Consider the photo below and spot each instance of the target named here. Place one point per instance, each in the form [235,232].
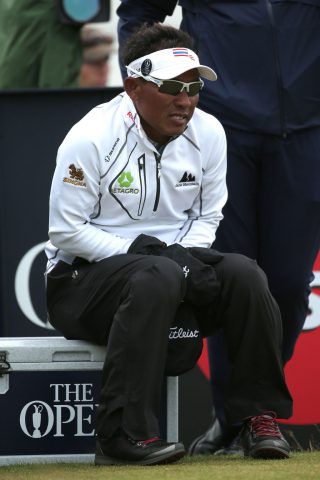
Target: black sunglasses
[173,87]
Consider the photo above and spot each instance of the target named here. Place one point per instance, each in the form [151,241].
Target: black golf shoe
[261,438]
[123,450]
[217,441]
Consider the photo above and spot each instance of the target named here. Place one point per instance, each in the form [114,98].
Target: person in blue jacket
[266,54]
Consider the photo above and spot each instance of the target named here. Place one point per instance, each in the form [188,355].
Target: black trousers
[129,302]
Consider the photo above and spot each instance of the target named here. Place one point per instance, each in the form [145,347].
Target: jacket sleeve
[74,203]
[133,13]
[206,212]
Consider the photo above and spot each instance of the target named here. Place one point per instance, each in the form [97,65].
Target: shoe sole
[269,454]
[157,459]
[225,451]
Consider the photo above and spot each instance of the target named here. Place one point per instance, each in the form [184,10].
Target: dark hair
[151,38]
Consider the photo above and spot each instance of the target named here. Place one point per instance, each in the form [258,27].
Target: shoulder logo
[132,118]
[187,180]
[107,158]
[76,176]
[76,173]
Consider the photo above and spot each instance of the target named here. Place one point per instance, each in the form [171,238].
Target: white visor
[169,63]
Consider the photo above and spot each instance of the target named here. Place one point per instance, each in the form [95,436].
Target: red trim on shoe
[149,440]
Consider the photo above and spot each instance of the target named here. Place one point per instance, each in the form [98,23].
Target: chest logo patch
[187,180]
[125,179]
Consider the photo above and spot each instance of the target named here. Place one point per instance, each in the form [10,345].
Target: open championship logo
[72,410]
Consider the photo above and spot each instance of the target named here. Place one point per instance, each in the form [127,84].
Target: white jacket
[111,184]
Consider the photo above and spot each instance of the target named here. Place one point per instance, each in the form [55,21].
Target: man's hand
[147,245]
[201,279]
[202,283]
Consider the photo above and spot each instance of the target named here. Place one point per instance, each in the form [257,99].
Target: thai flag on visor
[181,52]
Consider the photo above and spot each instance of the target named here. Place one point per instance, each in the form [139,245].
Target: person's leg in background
[273,215]
[289,225]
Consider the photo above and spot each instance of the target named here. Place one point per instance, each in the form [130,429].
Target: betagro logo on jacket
[125,180]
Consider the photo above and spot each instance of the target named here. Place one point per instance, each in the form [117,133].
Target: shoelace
[264,425]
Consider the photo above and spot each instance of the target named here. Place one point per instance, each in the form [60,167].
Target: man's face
[162,115]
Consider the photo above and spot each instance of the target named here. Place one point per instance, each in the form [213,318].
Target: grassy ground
[301,466]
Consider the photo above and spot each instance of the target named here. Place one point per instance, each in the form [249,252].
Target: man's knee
[162,278]
[241,270]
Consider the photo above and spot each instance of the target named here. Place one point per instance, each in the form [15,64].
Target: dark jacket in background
[266,54]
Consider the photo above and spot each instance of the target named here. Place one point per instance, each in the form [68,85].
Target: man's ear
[132,86]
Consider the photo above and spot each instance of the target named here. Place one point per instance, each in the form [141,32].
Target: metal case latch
[4,365]
[4,370]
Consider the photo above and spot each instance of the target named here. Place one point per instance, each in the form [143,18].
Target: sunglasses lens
[194,88]
[173,87]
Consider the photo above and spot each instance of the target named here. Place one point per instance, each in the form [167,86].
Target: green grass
[301,466]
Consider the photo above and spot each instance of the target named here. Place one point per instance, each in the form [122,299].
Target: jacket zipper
[278,70]
[158,174]
[142,178]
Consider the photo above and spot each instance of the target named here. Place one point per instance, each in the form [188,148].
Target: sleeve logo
[76,176]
